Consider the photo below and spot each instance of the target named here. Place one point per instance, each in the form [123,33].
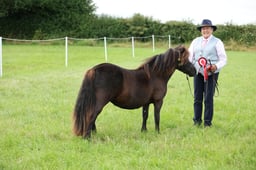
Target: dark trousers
[204,90]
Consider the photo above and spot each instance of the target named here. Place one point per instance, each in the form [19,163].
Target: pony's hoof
[144,130]
[87,137]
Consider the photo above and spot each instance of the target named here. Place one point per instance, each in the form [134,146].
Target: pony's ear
[181,48]
[184,53]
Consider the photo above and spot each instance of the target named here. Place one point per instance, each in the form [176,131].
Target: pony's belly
[131,105]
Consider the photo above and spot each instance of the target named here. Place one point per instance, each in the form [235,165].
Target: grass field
[37,95]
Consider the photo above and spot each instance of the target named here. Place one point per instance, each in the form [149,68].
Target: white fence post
[133,53]
[1,61]
[66,51]
[153,42]
[105,49]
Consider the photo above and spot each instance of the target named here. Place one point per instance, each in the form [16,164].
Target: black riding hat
[207,23]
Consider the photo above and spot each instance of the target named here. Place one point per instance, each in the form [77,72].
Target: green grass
[37,95]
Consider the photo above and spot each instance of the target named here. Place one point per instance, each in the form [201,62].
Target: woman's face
[206,31]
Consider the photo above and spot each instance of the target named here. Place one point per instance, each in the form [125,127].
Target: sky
[238,12]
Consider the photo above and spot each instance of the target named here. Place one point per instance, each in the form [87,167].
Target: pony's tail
[85,105]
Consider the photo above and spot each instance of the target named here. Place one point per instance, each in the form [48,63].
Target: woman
[208,55]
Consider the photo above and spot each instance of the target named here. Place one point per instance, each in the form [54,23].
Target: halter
[179,61]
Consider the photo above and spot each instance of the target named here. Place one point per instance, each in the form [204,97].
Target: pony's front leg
[145,117]
[157,108]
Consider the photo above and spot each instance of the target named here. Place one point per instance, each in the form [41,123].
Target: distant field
[37,95]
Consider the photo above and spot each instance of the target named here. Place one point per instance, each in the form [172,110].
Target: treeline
[45,19]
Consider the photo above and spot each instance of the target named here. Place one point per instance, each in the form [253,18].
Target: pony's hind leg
[92,123]
[94,129]
[87,135]
[91,128]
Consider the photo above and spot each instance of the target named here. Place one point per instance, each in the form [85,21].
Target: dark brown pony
[129,89]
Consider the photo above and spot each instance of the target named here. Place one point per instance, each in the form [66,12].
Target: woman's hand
[212,68]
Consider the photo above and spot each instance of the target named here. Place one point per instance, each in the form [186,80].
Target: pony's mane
[161,63]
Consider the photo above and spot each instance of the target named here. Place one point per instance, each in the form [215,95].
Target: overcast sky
[219,11]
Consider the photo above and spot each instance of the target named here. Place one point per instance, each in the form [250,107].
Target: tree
[138,25]
[44,18]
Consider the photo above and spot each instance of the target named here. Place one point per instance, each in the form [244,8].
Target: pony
[127,88]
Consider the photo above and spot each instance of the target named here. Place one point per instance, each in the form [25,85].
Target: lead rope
[189,86]
[216,87]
